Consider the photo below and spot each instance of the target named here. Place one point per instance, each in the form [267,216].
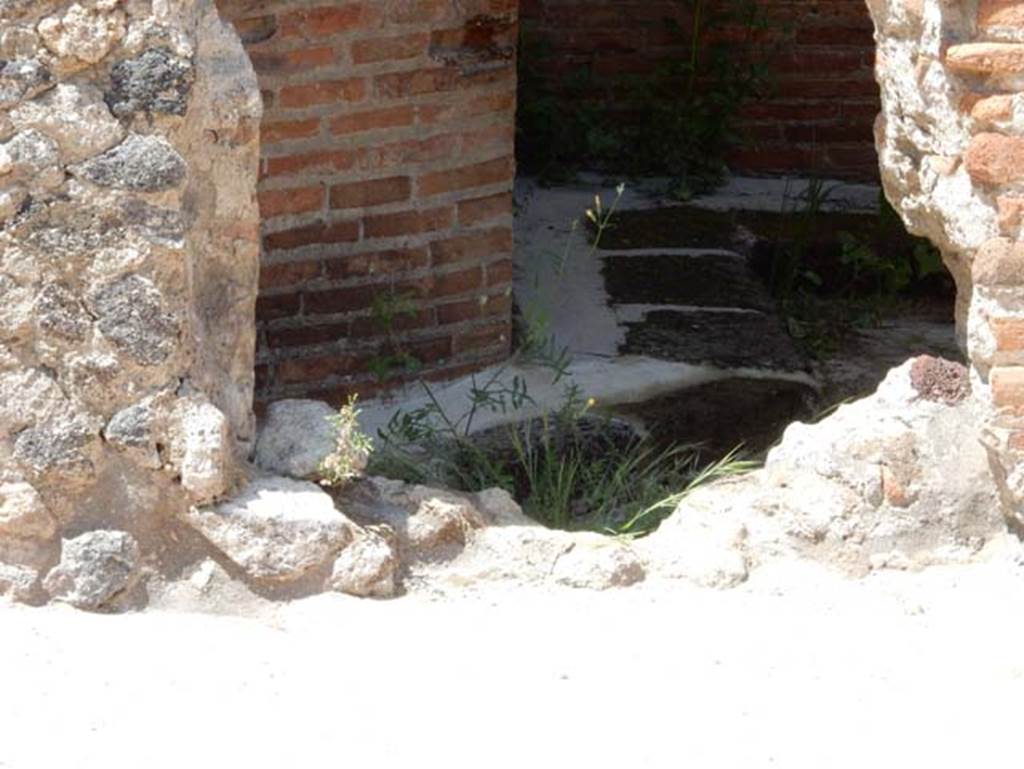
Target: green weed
[352,447]
[648,518]
[393,360]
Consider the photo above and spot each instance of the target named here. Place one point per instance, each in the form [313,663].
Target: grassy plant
[569,485]
[566,479]
[550,476]
[649,517]
[352,447]
[790,271]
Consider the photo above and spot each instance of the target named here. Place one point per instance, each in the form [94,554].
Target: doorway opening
[751,274]
[747,275]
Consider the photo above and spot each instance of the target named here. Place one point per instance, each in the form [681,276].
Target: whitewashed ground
[796,669]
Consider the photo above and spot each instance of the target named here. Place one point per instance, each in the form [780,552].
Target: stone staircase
[670,304]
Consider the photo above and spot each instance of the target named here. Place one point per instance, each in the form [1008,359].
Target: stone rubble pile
[897,480]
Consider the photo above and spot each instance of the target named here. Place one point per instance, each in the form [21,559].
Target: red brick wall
[823,100]
[387,170]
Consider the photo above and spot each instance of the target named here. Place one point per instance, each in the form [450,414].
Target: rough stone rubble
[897,480]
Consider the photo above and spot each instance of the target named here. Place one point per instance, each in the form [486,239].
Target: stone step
[705,280]
[727,340]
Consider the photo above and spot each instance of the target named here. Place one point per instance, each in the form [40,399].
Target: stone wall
[951,143]
[128,272]
[386,174]
[816,117]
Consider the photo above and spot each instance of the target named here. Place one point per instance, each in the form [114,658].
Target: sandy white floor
[796,669]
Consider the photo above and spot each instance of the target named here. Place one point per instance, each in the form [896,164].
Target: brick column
[386,179]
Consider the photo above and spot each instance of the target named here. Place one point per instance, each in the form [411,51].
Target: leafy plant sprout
[352,447]
[867,271]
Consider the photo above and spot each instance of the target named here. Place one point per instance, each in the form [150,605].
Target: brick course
[387,170]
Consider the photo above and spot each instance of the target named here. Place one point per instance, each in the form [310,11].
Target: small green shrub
[691,106]
[678,122]
[830,282]
[569,480]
